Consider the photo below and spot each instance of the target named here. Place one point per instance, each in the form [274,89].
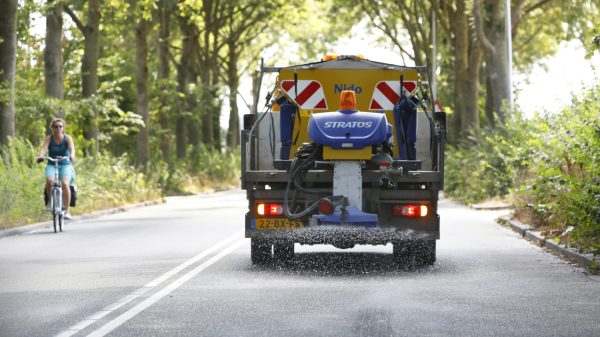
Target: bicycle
[58,215]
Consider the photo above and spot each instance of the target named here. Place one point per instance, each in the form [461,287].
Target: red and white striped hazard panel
[310,94]
[387,93]
[438,106]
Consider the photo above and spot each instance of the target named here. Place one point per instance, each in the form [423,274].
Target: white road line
[152,284]
[129,314]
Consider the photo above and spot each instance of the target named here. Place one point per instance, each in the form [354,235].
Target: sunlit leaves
[550,164]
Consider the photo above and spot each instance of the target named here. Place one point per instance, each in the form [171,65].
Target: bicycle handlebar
[57,159]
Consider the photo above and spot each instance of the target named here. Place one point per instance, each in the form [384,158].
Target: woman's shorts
[64,171]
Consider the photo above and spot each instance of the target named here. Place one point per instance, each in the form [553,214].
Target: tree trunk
[163,75]
[212,14]
[496,65]
[193,121]
[205,71]
[53,52]
[141,42]
[180,134]
[8,57]
[466,64]
[216,106]
[206,111]
[89,69]
[255,98]
[489,108]
[233,131]
[470,119]
[184,73]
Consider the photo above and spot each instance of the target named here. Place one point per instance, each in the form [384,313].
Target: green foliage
[34,111]
[106,181]
[102,182]
[310,27]
[18,189]
[593,46]
[214,165]
[562,181]
[540,34]
[205,168]
[485,169]
[549,165]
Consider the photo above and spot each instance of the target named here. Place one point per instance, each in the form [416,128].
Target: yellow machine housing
[361,76]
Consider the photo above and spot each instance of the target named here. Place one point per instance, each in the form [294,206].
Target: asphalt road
[183,269]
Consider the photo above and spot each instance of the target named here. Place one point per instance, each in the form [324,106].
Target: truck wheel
[260,251]
[425,252]
[404,253]
[283,251]
[414,253]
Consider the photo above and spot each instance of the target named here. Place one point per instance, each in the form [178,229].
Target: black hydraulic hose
[299,187]
[301,166]
[300,173]
[286,209]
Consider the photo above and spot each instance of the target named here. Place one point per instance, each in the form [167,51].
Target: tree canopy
[151,77]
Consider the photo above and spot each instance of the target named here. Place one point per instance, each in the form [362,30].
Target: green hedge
[105,181]
[549,165]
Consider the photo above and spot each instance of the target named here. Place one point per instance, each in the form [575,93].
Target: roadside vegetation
[105,181]
[547,166]
[145,88]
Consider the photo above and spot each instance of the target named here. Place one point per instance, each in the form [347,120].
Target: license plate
[280,223]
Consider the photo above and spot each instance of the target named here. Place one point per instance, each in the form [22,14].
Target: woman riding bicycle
[59,144]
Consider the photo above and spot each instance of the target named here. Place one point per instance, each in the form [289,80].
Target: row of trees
[175,62]
[172,62]
[472,48]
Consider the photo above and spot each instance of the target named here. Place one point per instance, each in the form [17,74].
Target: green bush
[549,165]
[106,181]
[22,184]
[102,182]
[208,168]
[561,187]
[485,169]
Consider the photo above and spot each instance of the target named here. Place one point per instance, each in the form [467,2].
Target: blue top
[61,149]
[349,129]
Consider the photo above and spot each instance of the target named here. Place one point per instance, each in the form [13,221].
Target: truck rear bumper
[344,235]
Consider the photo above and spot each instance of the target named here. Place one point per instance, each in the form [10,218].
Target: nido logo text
[337,88]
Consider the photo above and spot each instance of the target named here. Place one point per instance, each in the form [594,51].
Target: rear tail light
[269,209]
[411,210]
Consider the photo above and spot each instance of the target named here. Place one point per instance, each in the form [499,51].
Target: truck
[346,151]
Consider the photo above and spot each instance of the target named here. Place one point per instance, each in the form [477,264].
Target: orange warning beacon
[347,100]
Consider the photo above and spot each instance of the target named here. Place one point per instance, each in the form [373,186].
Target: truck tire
[425,252]
[414,253]
[260,251]
[283,252]
[404,254]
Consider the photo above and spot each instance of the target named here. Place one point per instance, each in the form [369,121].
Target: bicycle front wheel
[56,220]
[56,209]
